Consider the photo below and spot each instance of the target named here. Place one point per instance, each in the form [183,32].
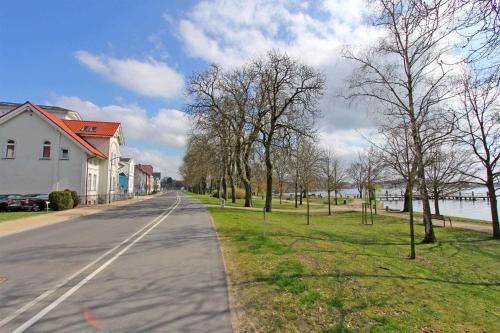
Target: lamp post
[110,177]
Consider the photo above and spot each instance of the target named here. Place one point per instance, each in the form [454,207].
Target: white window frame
[7,144]
[94,183]
[44,144]
[61,154]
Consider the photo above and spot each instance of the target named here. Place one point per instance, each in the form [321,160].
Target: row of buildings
[47,148]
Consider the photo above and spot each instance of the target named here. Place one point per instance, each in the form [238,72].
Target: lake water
[479,209]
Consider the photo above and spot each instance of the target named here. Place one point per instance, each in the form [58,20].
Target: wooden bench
[441,218]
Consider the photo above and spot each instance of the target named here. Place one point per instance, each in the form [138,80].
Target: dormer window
[46,150]
[10,149]
[88,129]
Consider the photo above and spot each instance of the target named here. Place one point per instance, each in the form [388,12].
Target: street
[152,266]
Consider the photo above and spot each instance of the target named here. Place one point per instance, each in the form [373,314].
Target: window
[64,154]
[46,150]
[95,183]
[89,182]
[10,151]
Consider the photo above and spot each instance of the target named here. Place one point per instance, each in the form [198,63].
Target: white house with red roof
[44,149]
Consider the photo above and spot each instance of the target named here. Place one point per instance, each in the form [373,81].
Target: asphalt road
[153,266]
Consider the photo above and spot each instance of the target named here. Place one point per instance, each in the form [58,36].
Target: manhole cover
[3,279]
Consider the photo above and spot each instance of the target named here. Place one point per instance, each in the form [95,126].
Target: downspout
[86,179]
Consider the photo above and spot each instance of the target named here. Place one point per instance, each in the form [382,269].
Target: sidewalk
[27,223]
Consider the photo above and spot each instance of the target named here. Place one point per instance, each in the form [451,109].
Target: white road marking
[49,292]
[71,291]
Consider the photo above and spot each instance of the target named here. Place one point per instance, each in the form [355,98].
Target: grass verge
[8,216]
[337,275]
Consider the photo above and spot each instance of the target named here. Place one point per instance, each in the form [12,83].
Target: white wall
[28,173]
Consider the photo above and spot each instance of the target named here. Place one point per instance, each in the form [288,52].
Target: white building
[126,174]
[49,148]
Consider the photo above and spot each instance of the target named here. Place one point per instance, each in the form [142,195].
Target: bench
[441,218]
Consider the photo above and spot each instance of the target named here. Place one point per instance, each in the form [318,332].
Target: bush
[240,193]
[60,200]
[75,197]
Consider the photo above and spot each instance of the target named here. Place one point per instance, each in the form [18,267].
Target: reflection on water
[469,209]
[479,209]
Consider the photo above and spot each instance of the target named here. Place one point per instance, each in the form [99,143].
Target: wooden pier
[471,196]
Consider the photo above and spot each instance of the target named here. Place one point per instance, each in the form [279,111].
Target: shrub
[60,200]
[75,197]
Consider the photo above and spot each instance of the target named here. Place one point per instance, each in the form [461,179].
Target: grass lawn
[259,202]
[7,216]
[337,275]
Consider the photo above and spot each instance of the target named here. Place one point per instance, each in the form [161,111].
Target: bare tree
[309,168]
[281,162]
[397,154]
[357,173]
[445,170]
[289,94]
[333,174]
[405,73]
[479,130]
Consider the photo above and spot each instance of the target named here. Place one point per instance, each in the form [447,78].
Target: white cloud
[168,165]
[231,32]
[168,126]
[346,143]
[147,77]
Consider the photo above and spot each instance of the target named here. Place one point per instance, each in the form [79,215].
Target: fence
[87,200]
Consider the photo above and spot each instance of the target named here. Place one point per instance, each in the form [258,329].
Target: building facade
[51,148]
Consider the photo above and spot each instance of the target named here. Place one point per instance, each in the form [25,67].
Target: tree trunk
[269,175]
[429,237]
[329,203]
[335,197]
[412,229]
[281,190]
[233,190]
[436,201]
[224,188]
[493,204]
[307,201]
[246,177]
[406,203]
[296,186]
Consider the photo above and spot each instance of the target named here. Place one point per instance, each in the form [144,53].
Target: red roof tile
[62,125]
[147,169]
[92,128]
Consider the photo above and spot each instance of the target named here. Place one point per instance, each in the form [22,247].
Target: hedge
[61,200]
[75,197]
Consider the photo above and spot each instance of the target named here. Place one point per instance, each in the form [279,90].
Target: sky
[129,61]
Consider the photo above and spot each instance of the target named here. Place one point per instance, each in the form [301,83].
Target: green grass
[259,202]
[8,216]
[337,275]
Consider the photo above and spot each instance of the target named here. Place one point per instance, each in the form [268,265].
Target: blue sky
[128,61]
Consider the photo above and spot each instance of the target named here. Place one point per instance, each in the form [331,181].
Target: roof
[45,107]
[92,128]
[60,124]
[157,174]
[147,169]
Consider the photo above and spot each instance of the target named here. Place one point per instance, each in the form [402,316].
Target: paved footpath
[152,266]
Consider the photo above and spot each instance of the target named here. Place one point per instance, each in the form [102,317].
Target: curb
[57,217]
[232,308]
